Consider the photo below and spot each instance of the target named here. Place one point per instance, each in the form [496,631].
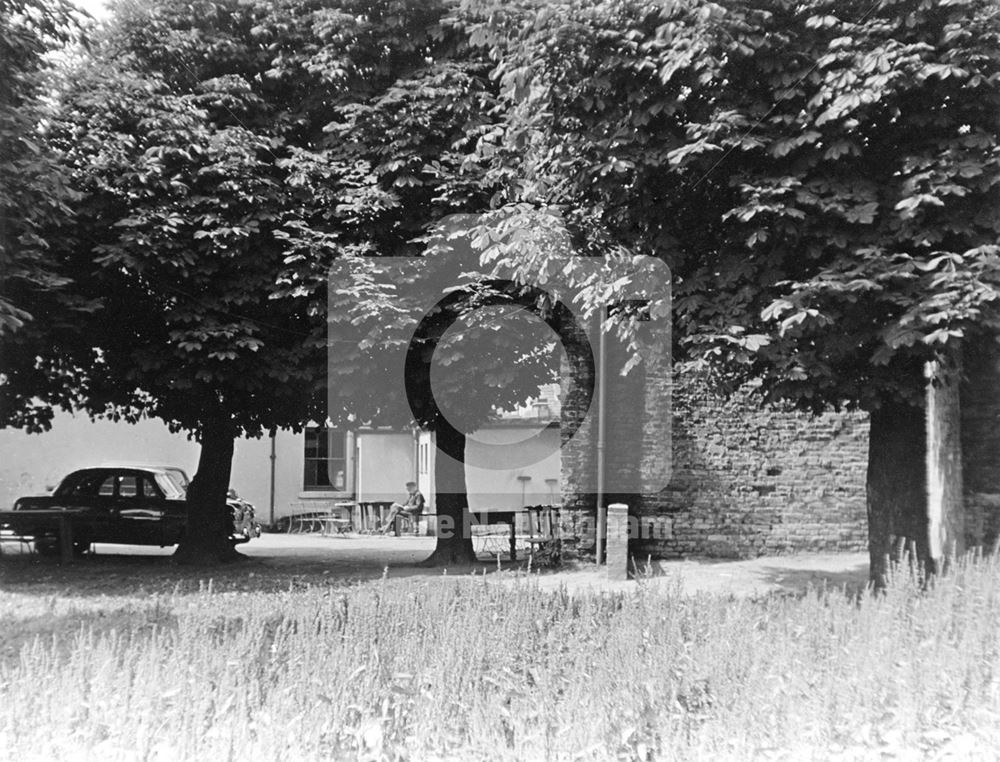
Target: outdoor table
[369,515]
[61,520]
[500,516]
[338,524]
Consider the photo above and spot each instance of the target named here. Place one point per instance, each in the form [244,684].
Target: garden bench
[335,520]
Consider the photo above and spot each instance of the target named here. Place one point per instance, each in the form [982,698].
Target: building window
[326,460]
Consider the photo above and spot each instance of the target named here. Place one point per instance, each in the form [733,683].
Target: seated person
[412,508]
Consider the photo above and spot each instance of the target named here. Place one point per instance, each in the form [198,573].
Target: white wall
[252,470]
[526,456]
[288,472]
[31,463]
[385,463]
[425,476]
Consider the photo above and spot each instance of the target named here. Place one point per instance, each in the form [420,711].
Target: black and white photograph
[499,380]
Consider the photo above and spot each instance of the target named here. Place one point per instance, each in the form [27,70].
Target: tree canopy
[821,178]
[35,194]
[223,154]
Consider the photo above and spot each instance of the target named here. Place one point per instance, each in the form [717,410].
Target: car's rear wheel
[81,548]
[49,546]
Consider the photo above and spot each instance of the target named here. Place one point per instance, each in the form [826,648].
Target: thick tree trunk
[210,525]
[980,433]
[451,502]
[896,485]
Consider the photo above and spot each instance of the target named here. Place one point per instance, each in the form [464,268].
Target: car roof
[148,471]
[131,464]
[127,467]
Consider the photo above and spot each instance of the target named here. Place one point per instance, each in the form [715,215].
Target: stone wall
[749,482]
[742,481]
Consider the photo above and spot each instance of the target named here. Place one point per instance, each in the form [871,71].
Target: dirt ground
[280,562]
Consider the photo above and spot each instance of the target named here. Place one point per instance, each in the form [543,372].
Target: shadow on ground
[791,579]
[793,574]
[271,563]
[277,563]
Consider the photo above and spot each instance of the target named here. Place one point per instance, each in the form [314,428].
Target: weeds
[404,669]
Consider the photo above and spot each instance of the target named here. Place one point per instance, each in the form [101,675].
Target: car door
[174,505]
[141,509]
[97,495]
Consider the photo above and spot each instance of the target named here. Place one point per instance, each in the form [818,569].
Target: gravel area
[279,561]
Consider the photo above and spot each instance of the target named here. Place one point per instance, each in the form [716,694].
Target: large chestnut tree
[820,176]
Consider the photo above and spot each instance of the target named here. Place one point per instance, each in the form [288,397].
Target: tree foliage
[821,178]
[35,196]
[224,153]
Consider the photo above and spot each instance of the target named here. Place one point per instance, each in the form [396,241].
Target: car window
[179,484]
[71,484]
[171,489]
[149,489]
[178,476]
[85,484]
[127,485]
[109,484]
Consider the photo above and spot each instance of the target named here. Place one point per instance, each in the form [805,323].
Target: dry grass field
[285,667]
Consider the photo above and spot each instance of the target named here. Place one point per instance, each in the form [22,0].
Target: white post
[617,542]
[945,509]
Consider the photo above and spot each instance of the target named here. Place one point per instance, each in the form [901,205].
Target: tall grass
[479,670]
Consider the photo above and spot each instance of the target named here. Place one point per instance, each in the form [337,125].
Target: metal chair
[544,536]
[412,521]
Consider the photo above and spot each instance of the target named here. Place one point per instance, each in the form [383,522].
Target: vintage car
[244,515]
[133,505]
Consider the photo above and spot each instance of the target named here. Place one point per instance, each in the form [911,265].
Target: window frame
[335,440]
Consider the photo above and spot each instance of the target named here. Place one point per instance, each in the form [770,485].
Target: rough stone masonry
[715,475]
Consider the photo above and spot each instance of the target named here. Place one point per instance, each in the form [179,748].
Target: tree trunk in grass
[945,504]
[451,502]
[209,524]
[896,488]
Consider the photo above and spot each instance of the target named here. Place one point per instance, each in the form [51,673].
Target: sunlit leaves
[796,173]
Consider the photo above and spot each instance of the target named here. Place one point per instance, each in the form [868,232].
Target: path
[305,559]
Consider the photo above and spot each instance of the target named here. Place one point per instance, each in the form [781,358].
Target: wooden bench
[330,521]
[61,521]
[24,541]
